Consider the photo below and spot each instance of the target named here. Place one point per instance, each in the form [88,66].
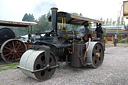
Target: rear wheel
[95,54]
[12,50]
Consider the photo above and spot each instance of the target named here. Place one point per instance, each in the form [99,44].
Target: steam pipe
[54,19]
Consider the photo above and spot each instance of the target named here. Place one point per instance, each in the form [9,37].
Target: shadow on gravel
[78,69]
[108,53]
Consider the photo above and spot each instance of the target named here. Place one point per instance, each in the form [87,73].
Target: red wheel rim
[13,50]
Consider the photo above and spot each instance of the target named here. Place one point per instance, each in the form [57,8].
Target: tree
[104,23]
[28,17]
[114,22]
[25,17]
[107,21]
[127,27]
[110,22]
[31,17]
[43,24]
[101,19]
[80,14]
[118,21]
[119,36]
[122,21]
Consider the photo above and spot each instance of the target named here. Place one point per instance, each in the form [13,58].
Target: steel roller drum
[35,60]
[95,54]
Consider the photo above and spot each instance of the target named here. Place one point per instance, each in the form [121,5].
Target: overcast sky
[15,9]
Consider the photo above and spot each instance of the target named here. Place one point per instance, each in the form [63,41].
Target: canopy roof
[74,19]
[16,24]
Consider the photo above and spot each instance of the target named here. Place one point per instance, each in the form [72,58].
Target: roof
[120,27]
[114,27]
[16,24]
[74,19]
[121,32]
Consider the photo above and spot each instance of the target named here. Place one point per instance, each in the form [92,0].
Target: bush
[123,41]
[119,36]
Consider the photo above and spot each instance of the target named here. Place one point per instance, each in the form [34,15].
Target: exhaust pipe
[54,19]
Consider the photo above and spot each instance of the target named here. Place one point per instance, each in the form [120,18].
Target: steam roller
[38,65]
[58,48]
[11,49]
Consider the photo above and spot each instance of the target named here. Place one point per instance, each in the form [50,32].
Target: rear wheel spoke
[6,51]
[8,54]
[13,57]
[8,48]
[18,46]
[18,55]
[12,50]
[20,51]
[13,45]
[9,45]
[9,57]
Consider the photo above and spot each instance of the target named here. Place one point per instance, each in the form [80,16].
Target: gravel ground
[114,71]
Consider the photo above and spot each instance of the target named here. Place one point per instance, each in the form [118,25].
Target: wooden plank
[16,24]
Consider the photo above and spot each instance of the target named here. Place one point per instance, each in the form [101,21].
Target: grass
[8,66]
[123,41]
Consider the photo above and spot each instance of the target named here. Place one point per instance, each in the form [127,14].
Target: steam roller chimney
[54,19]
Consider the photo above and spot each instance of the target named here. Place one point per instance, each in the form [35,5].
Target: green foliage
[122,21]
[43,24]
[127,27]
[113,23]
[28,17]
[107,21]
[110,22]
[118,21]
[101,19]
[80,14]
[8,66]
[104,33]
[123,41]
[119,36]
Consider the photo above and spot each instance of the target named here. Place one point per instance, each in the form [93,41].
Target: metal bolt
[98,54]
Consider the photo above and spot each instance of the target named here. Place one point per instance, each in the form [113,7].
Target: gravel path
[114,71]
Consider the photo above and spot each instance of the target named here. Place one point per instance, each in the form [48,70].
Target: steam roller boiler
[60,47]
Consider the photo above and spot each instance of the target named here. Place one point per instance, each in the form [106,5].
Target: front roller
[95,54]
[33,64]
